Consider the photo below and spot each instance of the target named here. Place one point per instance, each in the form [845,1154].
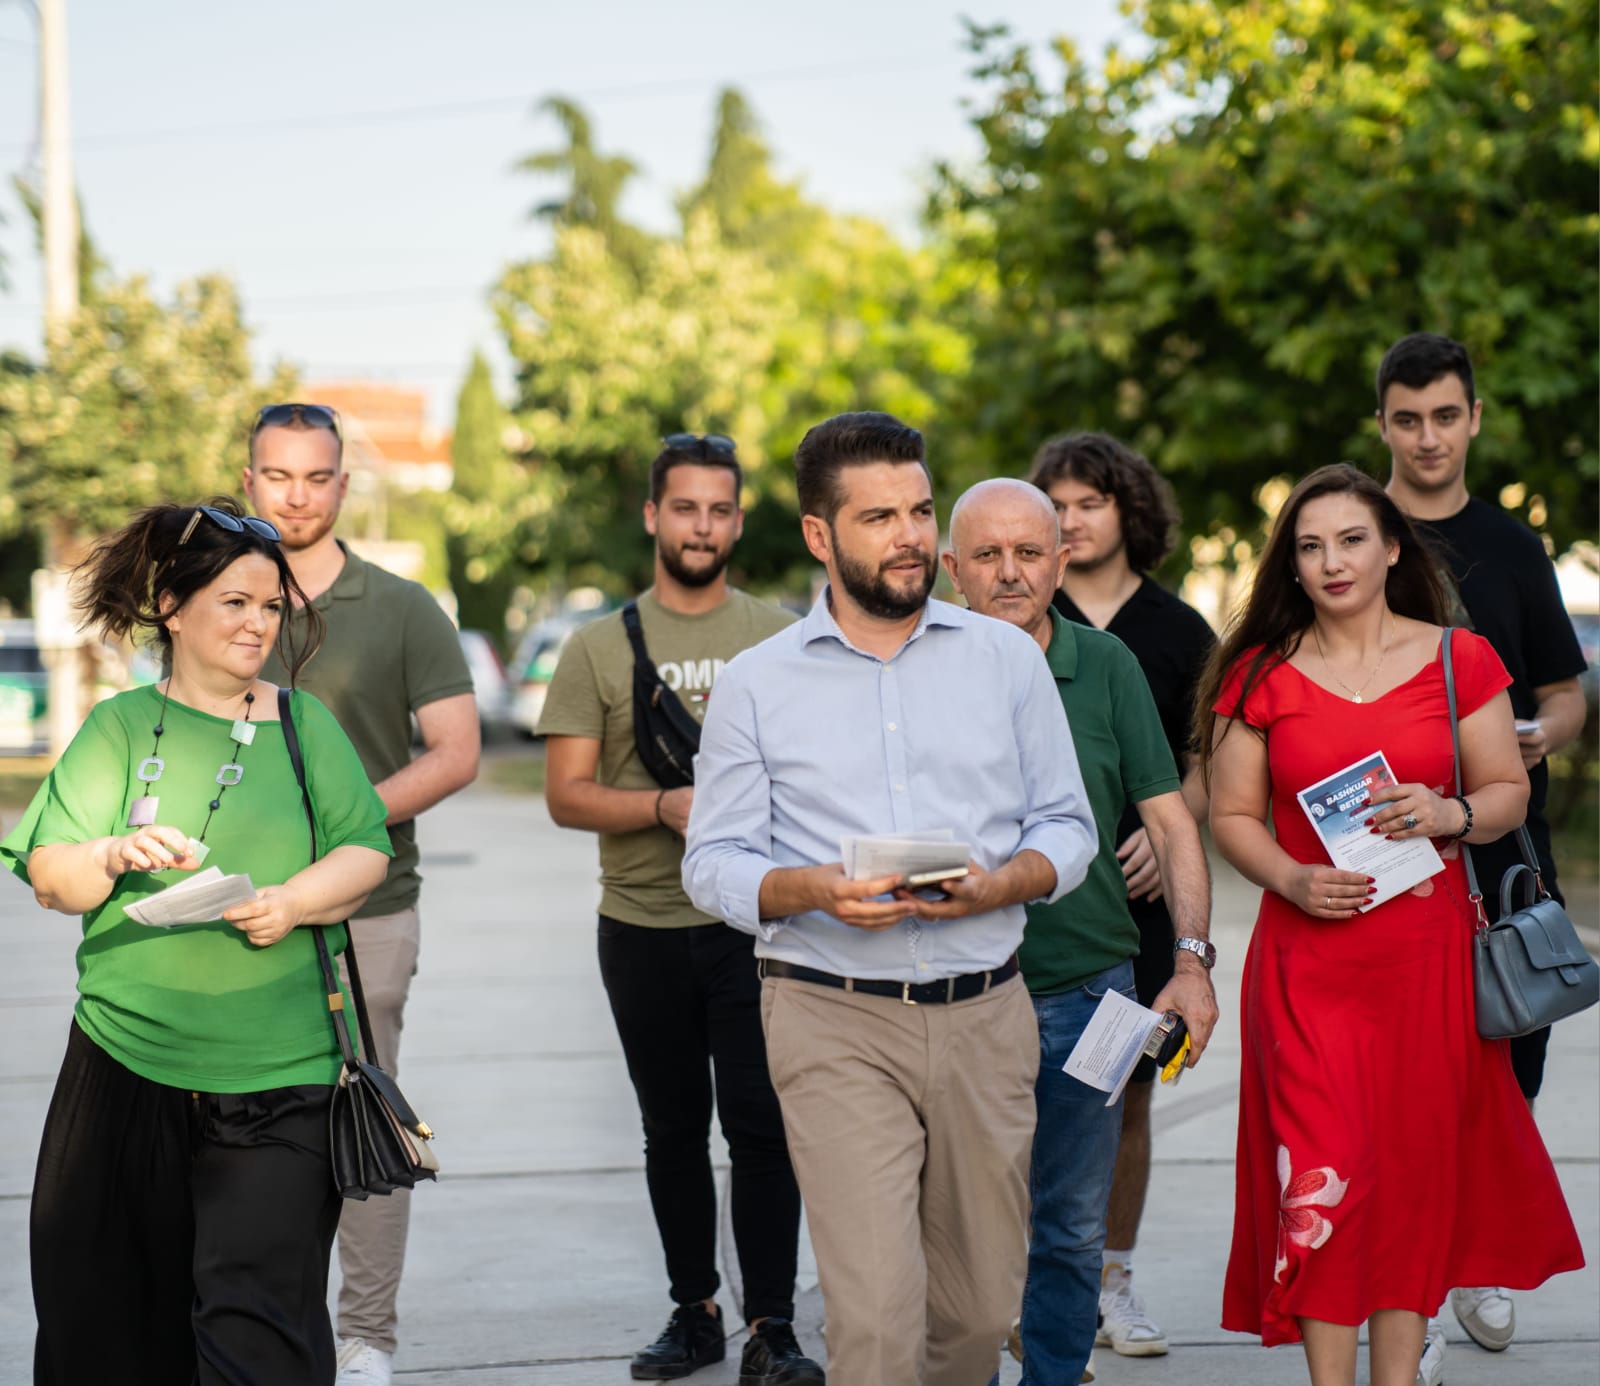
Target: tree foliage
[480,574]
[1206,248]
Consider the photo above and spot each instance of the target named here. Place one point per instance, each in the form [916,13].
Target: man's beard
[685,576]
[297,539]
[870,590]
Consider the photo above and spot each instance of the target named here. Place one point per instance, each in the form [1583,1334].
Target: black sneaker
[772,1357]
[692,1339]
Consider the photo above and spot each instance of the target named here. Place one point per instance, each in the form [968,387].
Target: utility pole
[58,634]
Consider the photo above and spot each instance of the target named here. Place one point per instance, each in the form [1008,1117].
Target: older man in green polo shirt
[390,653]
[1006,559]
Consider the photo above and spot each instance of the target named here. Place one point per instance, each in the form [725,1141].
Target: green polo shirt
[1124,758]
[389,650]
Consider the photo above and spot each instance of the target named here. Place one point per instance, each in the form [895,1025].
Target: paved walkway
[534,1261]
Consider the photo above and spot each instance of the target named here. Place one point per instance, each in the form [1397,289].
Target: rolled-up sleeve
[729,842]
[1059,824]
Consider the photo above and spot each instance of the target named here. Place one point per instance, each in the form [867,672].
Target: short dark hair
[849,440]
[1420,359]
[298,418]
[134,579]
[1145,501]
[698,455]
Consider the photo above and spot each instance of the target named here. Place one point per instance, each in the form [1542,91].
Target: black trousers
[180,1239]
[687,1003]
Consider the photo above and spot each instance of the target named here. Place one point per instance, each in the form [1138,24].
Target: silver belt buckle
[905,994]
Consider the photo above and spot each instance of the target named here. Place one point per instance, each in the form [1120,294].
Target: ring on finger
[1328,899]
[1409,821]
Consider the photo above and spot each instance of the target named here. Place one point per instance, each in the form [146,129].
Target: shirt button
[891,726]
[899,789]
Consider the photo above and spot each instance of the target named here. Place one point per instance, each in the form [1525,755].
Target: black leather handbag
[377,1142]
[1529,968]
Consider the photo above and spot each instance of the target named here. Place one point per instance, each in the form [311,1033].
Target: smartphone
[1166,1039]
[923,878]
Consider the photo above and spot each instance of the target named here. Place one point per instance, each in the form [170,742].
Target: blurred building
[386,432]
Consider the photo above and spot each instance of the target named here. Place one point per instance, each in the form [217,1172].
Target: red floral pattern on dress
[1300,1198]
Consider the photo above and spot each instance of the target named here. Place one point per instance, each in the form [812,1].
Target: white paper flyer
[1111,1043]
[1338,811]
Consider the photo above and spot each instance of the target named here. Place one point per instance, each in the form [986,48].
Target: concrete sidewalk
[534,1260]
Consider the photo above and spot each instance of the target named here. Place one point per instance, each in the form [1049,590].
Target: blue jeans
[1074,1155]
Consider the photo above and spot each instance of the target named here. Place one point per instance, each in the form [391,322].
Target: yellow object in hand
[1170,1073]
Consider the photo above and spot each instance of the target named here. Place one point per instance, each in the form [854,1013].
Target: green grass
[516,772]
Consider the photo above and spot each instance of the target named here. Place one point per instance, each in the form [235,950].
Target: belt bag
[664,731]
[377,1142]
[1529,969]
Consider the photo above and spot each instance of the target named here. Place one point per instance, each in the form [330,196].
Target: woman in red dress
[1369,1109]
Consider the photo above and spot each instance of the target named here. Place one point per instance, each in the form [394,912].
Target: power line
[491,105]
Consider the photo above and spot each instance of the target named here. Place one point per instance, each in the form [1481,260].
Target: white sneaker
[1088,1371]
[1125,1328]
[361,1364]
[1430,1371]
[1487,1314]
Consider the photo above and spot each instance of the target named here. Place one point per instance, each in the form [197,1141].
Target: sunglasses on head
[317,415]
[234,524]
[716,444]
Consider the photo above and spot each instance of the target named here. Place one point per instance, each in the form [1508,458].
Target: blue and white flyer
[1338,810]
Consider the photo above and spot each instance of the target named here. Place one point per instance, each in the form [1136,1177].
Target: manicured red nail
[1372,880]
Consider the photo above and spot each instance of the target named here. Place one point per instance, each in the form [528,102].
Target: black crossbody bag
[664,731]
[377,1143]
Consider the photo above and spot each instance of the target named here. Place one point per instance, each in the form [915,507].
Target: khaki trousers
[372,1234]
[910,1129]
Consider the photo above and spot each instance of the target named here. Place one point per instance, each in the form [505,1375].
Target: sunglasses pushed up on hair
[317,415]
[714,444]
[234,524]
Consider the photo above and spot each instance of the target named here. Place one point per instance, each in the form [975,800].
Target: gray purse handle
[1524,841]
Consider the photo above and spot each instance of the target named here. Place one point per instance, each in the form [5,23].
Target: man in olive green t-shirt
[682,985]
[389,653]
[1007,559]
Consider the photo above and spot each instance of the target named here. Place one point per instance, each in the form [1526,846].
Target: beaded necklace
[145,807]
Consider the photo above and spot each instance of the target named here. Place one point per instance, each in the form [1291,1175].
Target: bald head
[1006,556]
[982,505]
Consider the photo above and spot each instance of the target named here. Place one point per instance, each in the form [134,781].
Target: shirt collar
[352,580]
[819,623]
[1062,656]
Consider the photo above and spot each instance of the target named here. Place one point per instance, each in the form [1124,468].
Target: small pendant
[198,850]
[1356,699]
[143,812]
[230,774]
[150,769]
[243,732]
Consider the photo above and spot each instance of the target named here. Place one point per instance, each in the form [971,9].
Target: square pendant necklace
[143,812]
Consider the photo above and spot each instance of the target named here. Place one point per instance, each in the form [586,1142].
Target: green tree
[481,575]
[1207,247]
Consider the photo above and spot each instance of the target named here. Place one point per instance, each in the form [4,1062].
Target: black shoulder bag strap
[664,732]
[1524,841]
[330,976]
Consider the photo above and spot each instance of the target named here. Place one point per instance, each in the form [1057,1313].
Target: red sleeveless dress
[1385,1153]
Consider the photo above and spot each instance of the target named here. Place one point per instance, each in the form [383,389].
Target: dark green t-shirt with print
[1124,758]
[198,1006]
[591,695]
[389,650]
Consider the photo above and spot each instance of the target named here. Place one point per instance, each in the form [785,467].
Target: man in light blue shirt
[902,1046]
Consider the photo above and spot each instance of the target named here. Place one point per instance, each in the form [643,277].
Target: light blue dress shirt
[810,739]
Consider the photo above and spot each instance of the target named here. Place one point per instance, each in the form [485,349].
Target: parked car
[490,685]
[534,665]
[24,692]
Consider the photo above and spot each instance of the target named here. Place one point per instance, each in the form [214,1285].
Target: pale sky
[349,163]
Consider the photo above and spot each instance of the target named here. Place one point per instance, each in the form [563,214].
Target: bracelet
[662,822]
[1466,822]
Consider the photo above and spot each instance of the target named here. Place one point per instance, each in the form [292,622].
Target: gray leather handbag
[1529,968]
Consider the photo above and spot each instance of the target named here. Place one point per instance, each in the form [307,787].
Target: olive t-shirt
[199,1006]
[1123,756]
[389,650]
[591,696]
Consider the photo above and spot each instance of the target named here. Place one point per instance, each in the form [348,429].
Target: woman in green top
[183,1209]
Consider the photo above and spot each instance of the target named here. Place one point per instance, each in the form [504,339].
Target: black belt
[911,993]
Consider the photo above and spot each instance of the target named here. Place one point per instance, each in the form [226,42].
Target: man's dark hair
[848,440]
[1420,359]
[1145,501]
[699,453]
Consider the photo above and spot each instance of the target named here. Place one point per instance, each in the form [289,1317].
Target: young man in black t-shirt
[1428,415]
[1119,518]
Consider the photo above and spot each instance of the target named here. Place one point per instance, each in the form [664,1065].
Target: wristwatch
[1206,952]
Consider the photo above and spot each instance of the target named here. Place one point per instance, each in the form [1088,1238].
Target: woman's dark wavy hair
[1277,612]
[1145,502]
[134,579]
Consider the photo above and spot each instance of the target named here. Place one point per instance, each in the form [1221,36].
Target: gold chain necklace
[1355,693]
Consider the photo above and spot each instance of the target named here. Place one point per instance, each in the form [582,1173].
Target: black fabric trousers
[180,1239]
[687,1003]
